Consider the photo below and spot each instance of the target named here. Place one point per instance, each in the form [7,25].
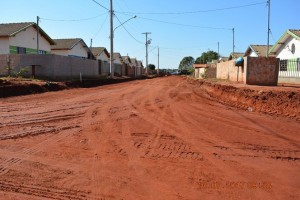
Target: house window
[42,52]
[21,50]
[283,65]
[293,48]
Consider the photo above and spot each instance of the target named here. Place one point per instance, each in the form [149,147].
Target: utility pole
[158,62]
[147,43]
[111,41]
[268,42]
[37,34]
[91,46]
[218,49]
[233,43]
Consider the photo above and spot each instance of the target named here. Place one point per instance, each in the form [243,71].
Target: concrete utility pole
[218,49]
[147,43]
[158,61]
[91,46]
[37,34]
[268,40]
[111,41]
[233,42]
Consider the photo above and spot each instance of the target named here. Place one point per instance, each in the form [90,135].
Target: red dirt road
[152,139]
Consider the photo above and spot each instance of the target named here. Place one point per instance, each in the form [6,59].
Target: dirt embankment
[17,87]
[273,101]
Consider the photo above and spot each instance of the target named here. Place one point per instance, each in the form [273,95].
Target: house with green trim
[287,49]
[21,38]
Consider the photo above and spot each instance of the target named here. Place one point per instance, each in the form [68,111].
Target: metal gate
[289,68]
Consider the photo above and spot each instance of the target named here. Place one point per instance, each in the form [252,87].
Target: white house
[101,53]
[21,38]
[257,50]
[74,47]
[287,48]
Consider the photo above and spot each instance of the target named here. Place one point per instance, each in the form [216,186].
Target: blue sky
[180,28]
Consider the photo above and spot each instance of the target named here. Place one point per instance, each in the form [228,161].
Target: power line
[72,20]
[186,25]
[100,5]
[128,31]
[101,26]
[179,24]
[197,11]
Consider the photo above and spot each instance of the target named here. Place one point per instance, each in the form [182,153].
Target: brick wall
[262,71]
[256,71]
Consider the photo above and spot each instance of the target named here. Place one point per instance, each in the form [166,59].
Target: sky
[178,28]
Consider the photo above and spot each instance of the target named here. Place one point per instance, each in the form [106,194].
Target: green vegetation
[207,57]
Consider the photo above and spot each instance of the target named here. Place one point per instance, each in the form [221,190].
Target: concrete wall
[256,71]
[51,66]
[27,39]
[228,70]
[262,70]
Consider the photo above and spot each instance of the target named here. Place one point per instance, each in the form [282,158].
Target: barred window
[283,65]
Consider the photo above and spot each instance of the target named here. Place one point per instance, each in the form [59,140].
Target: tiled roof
[260,50]
[235,55]
[295,31]
[133,61]
[10,29]
[65,44]
[199,65]
[117,55]
[126,58]
[98,50]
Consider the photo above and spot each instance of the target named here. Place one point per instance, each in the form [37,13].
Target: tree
[207,57]
[151,67]
[186,63]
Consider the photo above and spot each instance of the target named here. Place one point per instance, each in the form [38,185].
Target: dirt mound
[17,87]
[264,100]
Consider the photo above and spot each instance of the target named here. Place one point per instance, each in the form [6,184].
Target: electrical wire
[101,26]
[179,24]
[100,5]
[194,12]
[72,20]
[128,31]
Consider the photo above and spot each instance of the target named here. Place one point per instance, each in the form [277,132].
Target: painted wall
[285,53]
[117,61]
[53,67]
[253,54]
[103,57]
[78,51]
[27,39]
[60,52]
[4,45]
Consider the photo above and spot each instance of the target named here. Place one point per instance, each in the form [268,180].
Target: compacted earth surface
[157,139]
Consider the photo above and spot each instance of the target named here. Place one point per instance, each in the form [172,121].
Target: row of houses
[286,50]
[29,39]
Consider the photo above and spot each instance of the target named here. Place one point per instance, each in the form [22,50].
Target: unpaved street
[152,139]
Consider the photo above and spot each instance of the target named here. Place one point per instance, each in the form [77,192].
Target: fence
[289,68]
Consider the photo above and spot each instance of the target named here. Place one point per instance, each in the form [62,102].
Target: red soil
[164,138]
